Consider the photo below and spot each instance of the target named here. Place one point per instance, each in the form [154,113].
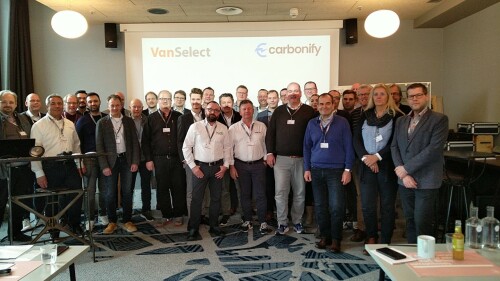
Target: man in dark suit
[179,102]
[183,123]
[34,104]
[116,135]
[152,102]
[417,152]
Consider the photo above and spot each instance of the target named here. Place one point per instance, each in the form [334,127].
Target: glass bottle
[473,229]
[458,241]
[490,229]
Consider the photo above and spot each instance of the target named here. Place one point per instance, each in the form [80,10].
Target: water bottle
[473,230]
[490,229]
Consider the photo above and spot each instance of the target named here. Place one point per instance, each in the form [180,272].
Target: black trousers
[171,186]
[199,186]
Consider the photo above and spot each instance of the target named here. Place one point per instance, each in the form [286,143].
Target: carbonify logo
[263,51]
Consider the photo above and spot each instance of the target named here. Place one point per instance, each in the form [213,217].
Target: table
[48,272]
[404,272]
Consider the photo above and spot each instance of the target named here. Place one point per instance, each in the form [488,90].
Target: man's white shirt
[249,144]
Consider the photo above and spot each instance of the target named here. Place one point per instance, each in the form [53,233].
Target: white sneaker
[26,225]
[89,225]
[103,220]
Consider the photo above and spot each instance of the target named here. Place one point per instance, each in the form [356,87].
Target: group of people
[312,154]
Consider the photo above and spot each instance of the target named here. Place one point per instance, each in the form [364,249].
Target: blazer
[24,114]
[235,118]
[183,123]
[422,153]
[263,117]
[105,142]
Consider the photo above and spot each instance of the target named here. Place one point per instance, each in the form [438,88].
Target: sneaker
[89,225]
[130,227]
[224,220]
[246,226]
[147,216]
[26,225]
[298,228]
[282,229]
[110,228]
[103,220]
[264,229]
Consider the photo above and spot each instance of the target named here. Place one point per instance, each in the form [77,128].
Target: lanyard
[60,129]
[213,132]
[292,114]
[162,118]
[119,128]
[324,130]
[246,131]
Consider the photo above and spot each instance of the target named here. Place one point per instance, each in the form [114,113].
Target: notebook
[14,148]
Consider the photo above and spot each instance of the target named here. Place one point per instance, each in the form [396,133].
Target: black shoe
[224,220]
[193,235]
[204,220]
[216,231]
[20,237]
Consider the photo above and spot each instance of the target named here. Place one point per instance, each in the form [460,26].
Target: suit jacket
[235,118]
[183,123]
[25,115]
[421,154]
[264,117]
[105,142]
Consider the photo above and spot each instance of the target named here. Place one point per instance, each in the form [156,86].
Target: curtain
[20,73]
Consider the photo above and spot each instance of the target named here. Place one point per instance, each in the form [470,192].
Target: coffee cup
[426,246]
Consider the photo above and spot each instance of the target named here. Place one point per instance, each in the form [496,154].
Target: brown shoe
[358,236]
[323,243]
[110,228]
[371,240]
[335,248]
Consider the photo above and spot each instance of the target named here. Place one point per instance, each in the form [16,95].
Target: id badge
[166,130]
[378,138]
[23,134]
[290,122]
[323,145]
[118,141]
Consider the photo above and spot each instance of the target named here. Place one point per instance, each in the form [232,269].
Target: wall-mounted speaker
[351,31]
[110,35]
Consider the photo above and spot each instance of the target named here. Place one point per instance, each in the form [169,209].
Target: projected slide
[223,63]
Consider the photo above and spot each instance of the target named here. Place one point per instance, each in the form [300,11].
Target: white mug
[426,246]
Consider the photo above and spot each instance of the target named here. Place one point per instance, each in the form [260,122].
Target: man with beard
[183,124]
[285,138]
[397,94]
[229,199]
[152,103]
[159,145]
[81,95]
[86,127]
[70,112]
[207,150]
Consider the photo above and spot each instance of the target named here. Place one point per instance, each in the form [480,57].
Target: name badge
[118,141]
[23,134]
[166,130]
[323,145]
[378,138]
[290,122]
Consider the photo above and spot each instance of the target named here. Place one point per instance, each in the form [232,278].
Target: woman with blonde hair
[372,142]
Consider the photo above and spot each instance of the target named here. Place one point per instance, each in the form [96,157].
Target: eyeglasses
[164,99]
[416,96]
[213,110]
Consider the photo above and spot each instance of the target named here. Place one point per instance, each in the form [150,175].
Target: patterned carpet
[162,253]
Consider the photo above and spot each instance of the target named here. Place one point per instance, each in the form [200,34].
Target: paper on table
[391,261]
[13,252]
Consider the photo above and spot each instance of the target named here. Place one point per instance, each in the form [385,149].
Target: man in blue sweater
[328,159]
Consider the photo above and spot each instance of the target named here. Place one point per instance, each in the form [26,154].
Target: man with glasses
[310,89]
[207,151]
[159,145]
[417,152]
[70,111]
[241,95]
[180,102]
[397,94]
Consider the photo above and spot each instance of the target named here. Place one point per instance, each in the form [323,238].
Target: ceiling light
[229,11]
[69,24]
[294,12]
[157,11]
[382,23]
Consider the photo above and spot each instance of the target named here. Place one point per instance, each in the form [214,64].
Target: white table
[404,272]
[47,272]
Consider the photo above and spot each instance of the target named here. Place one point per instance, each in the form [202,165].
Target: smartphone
[61,249]
[391,253]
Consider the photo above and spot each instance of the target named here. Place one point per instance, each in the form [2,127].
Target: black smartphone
[391,253]
[61,249]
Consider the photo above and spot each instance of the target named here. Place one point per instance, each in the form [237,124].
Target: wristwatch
[347,170]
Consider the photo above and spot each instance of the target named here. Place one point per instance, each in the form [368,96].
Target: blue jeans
[329,201]
[122,170]
[419,210]
[382,185]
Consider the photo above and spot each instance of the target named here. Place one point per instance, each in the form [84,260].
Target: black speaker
[110,35]
[351,31]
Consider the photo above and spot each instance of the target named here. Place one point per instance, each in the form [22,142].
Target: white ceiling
[426,13]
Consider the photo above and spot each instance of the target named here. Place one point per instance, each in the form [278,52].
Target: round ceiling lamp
[229,11]
[69,24]
[382,23]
